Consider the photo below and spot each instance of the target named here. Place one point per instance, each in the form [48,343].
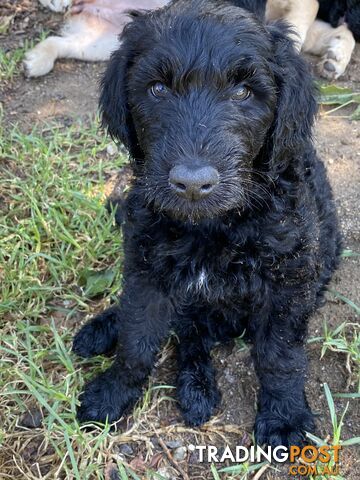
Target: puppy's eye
[242,93]
[158,90]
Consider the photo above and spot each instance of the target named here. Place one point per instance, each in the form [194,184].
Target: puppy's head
[211,104]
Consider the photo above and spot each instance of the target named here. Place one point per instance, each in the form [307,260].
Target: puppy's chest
[206,268]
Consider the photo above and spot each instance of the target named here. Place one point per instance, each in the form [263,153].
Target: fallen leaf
[96,282]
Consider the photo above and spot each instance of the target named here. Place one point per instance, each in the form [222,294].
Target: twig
[207,430]
[261,471]
[170,457]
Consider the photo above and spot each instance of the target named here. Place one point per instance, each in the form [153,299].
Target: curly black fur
[255,254]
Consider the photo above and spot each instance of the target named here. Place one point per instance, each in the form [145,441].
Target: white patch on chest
[199,283]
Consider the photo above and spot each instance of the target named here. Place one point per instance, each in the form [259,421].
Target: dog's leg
[196,386]
[280,361]
[40,60]
[299,14]
[334,45]
[145,318]
[81,39]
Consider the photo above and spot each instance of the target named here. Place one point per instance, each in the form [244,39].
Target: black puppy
[230,222]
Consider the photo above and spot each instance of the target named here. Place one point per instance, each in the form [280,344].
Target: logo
[308,460]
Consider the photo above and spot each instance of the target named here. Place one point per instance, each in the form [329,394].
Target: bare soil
[70,93]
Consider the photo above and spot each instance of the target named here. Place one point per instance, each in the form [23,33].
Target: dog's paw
[99,336]
[337,57]
[105,398]
[40,60]
[198,398]
[274,430]
[56,5]
[332,66]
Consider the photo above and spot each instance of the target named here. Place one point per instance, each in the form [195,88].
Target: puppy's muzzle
[193,183]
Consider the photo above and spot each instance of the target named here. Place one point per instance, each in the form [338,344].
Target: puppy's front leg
[196,386]
[145,318]
[283,413]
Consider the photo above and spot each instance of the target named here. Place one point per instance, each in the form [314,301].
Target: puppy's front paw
[198,398]
[105,398]
[97,337]
[275,430]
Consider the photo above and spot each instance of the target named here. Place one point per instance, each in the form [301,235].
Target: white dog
[92,28]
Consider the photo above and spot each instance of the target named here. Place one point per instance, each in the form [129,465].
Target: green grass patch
[336,438]
[11,60]
[54,230]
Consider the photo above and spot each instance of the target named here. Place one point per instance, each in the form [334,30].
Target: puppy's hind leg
[100,335]
[300,15]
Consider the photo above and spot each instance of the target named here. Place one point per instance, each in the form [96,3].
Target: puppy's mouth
[193,208]
[194,211]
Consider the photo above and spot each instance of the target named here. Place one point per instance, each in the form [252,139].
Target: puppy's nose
[193,183]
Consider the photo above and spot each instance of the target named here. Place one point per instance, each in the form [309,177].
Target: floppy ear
[114,108]
[296,105]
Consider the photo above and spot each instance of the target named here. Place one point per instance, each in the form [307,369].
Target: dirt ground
[70,92]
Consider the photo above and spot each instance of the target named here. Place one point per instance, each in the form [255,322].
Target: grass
[55,225]
[59,250]
[53,229]
[11,61]
[345,339]
[336,439]
[243,470]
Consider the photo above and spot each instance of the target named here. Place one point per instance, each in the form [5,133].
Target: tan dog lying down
[333,45]
[91,33]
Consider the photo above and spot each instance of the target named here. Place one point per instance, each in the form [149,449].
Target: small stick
[261,471]
[170,457]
